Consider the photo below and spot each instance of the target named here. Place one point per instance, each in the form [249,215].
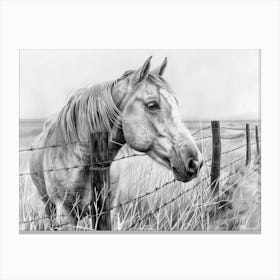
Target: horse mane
[93,109]
[88,110]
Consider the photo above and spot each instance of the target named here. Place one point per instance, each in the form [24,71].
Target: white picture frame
[135,24]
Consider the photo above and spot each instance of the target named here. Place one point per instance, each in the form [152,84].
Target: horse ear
[143,72]
[160,69]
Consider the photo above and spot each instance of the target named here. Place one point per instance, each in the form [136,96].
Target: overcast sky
[209,84]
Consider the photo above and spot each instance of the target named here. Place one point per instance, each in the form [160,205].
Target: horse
[139,109]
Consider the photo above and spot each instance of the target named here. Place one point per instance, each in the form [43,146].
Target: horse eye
[153,106]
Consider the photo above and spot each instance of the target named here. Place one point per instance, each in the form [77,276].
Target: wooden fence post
[248,145]
[100,181]
[257,140]
[216,156]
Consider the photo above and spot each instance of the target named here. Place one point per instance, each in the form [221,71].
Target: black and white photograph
[149,140]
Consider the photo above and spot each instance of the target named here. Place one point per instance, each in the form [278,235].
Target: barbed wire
[222,137]
[30,149]
[109,161]
[181,194]
[232,163]
[149,193]
[220,194]
[202,138]
[136,155]
[79,166]
[233,137]
[114,207]
[144,195]
[192,188]
[238,128]
[200,129]
[167,203]
[87,142]
[234,149]
[54,170]
[237,148]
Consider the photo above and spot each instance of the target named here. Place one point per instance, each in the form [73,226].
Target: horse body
[67,190]
[138,109]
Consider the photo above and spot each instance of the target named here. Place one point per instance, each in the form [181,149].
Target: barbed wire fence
[100,168]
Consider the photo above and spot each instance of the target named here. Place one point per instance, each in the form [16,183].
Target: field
[146,198]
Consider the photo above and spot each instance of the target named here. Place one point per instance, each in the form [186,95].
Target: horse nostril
[193,166]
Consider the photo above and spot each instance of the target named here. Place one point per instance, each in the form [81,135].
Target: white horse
[138,109]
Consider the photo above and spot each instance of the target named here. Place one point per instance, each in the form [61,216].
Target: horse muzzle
[186,163]
[189,172]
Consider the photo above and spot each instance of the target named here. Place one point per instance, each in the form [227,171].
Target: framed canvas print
[122,143]
[139,140]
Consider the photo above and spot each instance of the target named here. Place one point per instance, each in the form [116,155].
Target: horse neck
[120,99]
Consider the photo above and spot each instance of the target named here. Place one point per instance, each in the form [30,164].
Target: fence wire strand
[167,203]
[200,129]
[203,138]
[114,207]
[151,213]
[31,149]
[238,128]
[149,192]
[233,137]
[79,166]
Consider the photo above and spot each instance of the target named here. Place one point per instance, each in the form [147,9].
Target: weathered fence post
[100,181]
[257,140]
[248,145]
[216,156]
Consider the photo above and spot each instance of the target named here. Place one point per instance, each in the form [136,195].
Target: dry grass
[176,206]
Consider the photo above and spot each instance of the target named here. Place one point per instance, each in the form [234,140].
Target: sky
[209,84]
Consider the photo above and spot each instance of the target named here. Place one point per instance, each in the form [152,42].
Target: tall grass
[175,206]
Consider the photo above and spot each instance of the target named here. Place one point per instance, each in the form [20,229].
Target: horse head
[151,121]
